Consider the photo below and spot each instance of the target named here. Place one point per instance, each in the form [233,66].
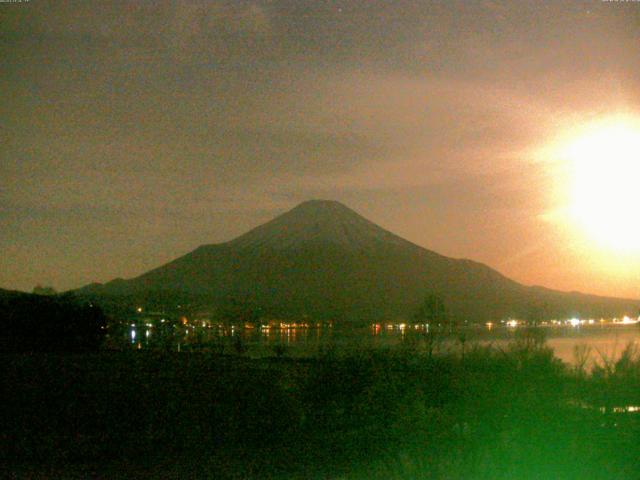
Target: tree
[536,313]
[238,311]
[432,310]
[40,290]
[35,323]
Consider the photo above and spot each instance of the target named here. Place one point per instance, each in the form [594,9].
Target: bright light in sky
[604,183]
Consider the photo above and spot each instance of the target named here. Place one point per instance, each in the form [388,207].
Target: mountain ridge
[324,260]
[324,220]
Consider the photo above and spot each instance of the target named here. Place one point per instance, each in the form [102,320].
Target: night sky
[133,132]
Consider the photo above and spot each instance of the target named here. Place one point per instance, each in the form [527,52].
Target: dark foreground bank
[490,414]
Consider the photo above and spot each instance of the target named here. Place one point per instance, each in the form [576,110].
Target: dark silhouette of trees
[432,310]
[234,311]
[34,323]
[40,290]
[536,312]
[239,345]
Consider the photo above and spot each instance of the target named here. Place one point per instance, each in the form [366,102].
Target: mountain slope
[324,260]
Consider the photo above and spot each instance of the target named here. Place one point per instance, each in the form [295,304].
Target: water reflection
[597,339]
[625,409]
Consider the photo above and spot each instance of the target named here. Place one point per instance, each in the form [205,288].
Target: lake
[598,341]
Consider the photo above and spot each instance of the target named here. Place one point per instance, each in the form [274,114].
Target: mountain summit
[317,221]
[323,260]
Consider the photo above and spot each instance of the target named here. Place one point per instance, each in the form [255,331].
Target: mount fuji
[323,260]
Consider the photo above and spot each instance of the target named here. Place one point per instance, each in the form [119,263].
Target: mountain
[323,260]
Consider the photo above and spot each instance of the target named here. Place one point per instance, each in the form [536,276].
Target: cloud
[182,115]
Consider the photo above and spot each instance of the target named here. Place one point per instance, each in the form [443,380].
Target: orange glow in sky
[603,160]
[596,165]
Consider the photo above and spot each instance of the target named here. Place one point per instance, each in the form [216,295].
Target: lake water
[597,341]
[604,342]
